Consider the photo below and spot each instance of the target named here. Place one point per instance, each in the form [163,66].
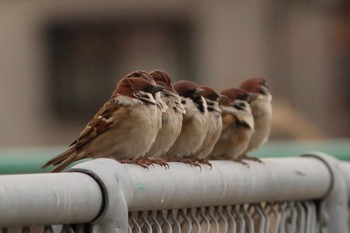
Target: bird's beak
[221,97]
[156,88]
[251,97]
[171,88]
[198,91]
[264,90]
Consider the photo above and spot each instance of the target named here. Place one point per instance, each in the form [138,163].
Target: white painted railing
[300,194]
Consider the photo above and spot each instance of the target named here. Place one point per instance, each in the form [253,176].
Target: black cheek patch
[199,103]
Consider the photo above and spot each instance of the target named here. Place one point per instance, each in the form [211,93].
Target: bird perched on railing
[262,113]
[238,125]
[214,123]
[171,118]
[124,128]
[162,107]
[194,124]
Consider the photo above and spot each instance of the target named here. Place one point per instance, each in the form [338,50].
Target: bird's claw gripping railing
[305,194]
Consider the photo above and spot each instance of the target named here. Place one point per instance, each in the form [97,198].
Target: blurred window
[88,58]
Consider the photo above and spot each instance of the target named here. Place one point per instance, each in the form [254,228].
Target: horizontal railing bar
[42,199]
[182,186]
[345,166]
[76,198]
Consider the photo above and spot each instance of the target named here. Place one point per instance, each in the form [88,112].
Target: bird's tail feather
[63,164]
[62,160]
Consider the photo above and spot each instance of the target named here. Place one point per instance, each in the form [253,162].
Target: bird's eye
[183,101]
[239,106]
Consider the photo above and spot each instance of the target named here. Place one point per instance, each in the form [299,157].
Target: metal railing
[304,194]
[267,217]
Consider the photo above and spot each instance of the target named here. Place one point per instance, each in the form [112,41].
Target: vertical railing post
[333,212]
[113,180]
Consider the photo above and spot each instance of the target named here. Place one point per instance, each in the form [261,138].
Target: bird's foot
[127,161]
[160,162]
[190,161]
[246,157]
[240,160]
[141,161]
[205,161]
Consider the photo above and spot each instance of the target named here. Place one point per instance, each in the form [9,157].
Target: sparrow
[238,125]
[214,123]
[171,118]
[262,113]
[124,128]
[194,123]
[162,107]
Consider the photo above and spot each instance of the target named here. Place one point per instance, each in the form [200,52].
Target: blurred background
[60,60]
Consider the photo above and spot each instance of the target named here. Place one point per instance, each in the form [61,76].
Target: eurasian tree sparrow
[171,118]
[162,107]
[238,125]
[124,128]
[194,124]
[262,113]
[214,123]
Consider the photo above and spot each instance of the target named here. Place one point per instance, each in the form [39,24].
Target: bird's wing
[228,120]
[99,124]
[244,120]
